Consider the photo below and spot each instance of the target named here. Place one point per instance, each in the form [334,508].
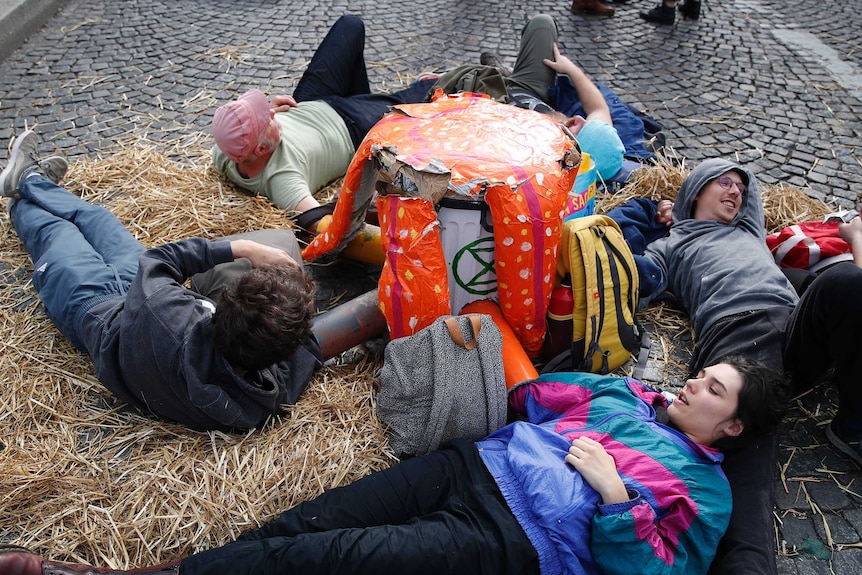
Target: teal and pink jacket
[680,500]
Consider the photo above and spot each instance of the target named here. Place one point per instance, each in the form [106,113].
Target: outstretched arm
[591,98]
[260,254]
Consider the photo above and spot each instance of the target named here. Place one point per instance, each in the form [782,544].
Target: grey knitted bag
[445,381]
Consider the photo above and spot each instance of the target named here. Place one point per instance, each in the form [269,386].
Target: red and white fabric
[809,246]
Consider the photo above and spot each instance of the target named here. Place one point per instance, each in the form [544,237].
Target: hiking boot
[22,158]
[491,59]
[690,9]
[54,168]
[847,440]
[661,14]
[592,7]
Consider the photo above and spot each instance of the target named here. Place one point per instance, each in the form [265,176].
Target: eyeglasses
[726,183]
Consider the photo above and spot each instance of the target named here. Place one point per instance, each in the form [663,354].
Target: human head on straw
[602,473]
[289,148]
[707,251]
[160,347]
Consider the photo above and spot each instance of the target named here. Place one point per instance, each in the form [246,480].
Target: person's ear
[734,427]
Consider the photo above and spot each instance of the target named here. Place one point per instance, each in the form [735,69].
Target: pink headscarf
[237,125]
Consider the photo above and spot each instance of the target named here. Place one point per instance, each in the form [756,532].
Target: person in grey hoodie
[160,347]
[713,260]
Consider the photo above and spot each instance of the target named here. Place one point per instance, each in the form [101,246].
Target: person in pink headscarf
[288,148]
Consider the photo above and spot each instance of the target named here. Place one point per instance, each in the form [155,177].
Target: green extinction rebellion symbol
[473,267]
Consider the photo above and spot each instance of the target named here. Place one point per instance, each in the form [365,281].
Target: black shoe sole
[839,444]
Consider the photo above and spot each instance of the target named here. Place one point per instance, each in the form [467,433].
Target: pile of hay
[84,479]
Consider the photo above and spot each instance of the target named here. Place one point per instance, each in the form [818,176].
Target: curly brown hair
[263,317]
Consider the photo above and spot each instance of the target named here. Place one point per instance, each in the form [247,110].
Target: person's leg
[690,9]
[338,66]
[360,112]
[537,43]
[664,13]
[456,540]
[414,487]
[435,514]
[64,235]
[823,334]
[748,545]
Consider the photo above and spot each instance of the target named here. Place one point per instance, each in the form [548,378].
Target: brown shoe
[491,59]
[51,568]
[19,561]
[592,7]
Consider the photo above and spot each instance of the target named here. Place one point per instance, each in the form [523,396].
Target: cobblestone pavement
[774,83]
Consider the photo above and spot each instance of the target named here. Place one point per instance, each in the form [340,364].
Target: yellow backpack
[605,289]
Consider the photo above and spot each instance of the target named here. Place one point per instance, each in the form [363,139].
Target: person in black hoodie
[160,347]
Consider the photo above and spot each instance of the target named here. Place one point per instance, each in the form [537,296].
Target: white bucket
[467,235]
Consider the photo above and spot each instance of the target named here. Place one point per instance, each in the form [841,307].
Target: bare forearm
[260,254]
[591,98]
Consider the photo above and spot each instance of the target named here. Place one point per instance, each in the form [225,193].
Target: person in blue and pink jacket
[602,475]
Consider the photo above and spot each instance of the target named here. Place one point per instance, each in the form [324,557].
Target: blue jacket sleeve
[636,219]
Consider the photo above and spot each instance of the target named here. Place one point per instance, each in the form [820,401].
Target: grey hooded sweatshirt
[716,269]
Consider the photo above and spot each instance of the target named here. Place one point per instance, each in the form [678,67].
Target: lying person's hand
[283,103]
[851,231]
[562,64]
[664,214]
[598,469]
[852,234]
[261,255]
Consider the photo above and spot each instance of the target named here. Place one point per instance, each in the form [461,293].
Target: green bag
[474,78]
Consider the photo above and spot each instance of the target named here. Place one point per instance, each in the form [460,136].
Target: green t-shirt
[315,148]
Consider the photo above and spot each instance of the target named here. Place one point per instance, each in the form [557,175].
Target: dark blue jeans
[435,514]
[80,251]
[337,75]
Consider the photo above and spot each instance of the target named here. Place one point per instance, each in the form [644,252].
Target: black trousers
[435,514]
[338,76]
[820,334]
